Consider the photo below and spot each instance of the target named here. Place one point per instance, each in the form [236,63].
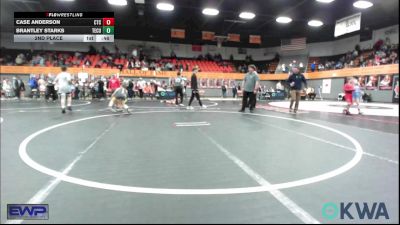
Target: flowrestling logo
[355,210]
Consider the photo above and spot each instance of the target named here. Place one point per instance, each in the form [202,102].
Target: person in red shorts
[348,95]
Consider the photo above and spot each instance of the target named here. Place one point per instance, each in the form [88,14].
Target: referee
[178,86]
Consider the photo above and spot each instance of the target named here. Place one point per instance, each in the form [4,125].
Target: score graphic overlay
[64,26]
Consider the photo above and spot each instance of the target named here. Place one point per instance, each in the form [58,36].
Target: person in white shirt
[279,86]
[63,80]
[141,84]
[283,67]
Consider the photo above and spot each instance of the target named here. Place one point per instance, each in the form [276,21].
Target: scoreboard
[64,26]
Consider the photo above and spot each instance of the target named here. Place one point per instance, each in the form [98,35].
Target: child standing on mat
[357,95]
[348,95]
[64,81]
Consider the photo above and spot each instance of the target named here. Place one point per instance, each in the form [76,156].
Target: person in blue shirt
[313,67]
[295,81]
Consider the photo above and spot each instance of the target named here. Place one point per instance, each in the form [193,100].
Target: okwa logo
[355,210]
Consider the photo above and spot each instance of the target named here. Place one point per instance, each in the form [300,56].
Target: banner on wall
[178,33]
[385,82]
[326,86]
[208,35]
[234,37]
[255,39]
[395,89]
[197,48]
[348,24]
[371,82]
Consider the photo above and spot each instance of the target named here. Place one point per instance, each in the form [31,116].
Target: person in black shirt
[195,90]
[50,90]
[18,86]
[131,93]
[295,82]
[101,93]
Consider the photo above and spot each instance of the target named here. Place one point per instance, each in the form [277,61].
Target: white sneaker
[189,108]
[204,107]
[181,105]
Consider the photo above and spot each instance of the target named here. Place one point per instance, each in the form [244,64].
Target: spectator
[209,56]
[362,61]
[313,66]
[33,84]
[173,55]
[279,86]
[134,53]
[311,93]
[180,67]
[283,68]
[104,51]
[234,90]
[223,89]
[92,50]
[87,62]
[114,83]
[18,87]
[393,57]
[50,89]
[354,54]
[20,59]
[101,92]
[7,87]
[141,84]
[339,65]
[321,67]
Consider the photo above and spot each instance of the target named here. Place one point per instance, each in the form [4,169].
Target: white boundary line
[52,107]
[282,198]
[45,191]
[324,106]
[202,122]
[191,124]
[168,107]
[33,164]
[327,142]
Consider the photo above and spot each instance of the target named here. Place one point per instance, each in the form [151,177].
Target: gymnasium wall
[336,47]
[384,96]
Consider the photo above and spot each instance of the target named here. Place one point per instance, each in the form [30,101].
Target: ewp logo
[27,212]
[331,210]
